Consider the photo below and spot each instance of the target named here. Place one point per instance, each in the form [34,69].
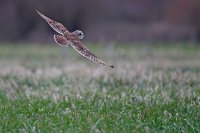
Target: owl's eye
[80,34]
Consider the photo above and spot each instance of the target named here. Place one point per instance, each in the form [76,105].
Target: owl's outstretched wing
[81,49]
[58,27]
[61,40]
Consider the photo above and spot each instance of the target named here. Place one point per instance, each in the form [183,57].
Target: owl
[73,39]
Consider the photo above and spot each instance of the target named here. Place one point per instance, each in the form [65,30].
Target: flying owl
[71,38]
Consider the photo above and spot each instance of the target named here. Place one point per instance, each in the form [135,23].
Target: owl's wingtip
[112,66]
[37,10]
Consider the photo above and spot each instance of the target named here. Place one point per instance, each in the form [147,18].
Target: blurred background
[103,20]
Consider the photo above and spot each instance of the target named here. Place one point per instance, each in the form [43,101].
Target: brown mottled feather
[61,40]
[58,27]
[81,49]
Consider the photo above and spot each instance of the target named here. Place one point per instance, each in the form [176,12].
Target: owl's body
[71,38]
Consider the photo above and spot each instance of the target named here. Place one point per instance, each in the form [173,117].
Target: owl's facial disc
[79,34]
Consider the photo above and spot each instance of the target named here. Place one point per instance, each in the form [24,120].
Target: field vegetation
[53,89]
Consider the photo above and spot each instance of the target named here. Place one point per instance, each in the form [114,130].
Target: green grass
[50,89]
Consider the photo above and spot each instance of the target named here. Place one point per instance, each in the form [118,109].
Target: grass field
[53,89]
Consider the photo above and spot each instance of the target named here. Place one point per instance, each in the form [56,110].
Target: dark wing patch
[81,49]
[58,27]
[61,40]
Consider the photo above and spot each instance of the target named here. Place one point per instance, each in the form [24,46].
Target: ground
[47,88]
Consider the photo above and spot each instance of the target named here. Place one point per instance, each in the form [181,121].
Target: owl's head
[79,34]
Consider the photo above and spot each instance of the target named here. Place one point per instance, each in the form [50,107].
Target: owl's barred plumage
[71,38]
[58,27]
[61,40]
